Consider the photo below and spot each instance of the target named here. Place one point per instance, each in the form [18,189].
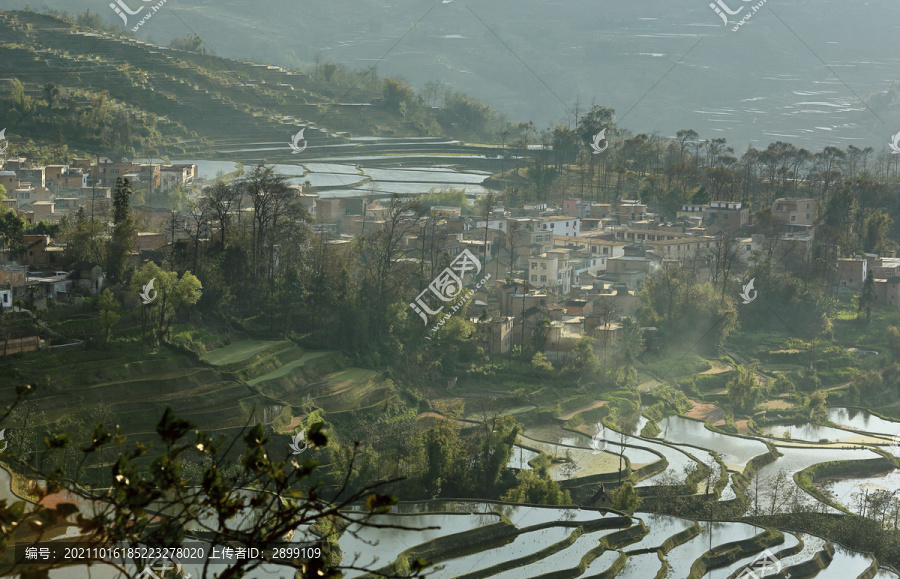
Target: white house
[551,270]
[498,224]
[561,225]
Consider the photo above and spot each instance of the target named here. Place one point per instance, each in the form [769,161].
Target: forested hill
[95,91]
[796,71]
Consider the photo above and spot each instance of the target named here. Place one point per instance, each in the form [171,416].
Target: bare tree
[382,250]
[726,256]
[195,223]
[222,199]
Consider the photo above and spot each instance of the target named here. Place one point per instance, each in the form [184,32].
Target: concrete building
[497,333]
[732,216]
[561,225]
[884,267]
[630,210]
[852,272]
[10,181]
[604,248]
[795,211]
[551,270]
[601,210]
[562,337]
[747,245]
[887,291]
[149,240]
[577,208]
[445,211]
[37,176]
[517,296]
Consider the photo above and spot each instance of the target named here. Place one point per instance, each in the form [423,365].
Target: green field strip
[287,354]
[343,380]
[217,397]
[288,368]
[126,389]
[237,352]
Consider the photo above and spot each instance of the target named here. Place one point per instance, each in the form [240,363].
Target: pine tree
[124,230]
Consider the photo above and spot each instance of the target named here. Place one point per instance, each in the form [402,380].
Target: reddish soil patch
[52,501]
[742,426]
[707,412]
[295,422]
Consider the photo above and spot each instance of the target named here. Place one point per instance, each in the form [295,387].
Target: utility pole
[524,293]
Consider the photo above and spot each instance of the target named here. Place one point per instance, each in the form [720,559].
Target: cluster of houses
[564,272]
[853,271]
[35,288]
[559,273]
[47,193]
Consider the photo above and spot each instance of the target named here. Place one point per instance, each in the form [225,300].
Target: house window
[543,278]
[534,278]
[748,248]
[793,218]
[533,265]
[807,215]
[544,266]
[558,277]
[605,250]
[113,171]
[552,225]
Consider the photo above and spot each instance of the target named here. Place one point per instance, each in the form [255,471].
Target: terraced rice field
[287,368]
[237,352]
[546,541]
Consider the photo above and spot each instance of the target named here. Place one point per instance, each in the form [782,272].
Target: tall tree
[109,312]
[173,294]
[382,248]
[12,229]
[875,231]
[124,231]
[222,200]
[51,95]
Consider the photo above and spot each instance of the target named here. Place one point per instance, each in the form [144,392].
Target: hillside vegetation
[116,94]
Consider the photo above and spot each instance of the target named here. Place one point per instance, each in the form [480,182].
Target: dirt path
[591,406]
[717,368]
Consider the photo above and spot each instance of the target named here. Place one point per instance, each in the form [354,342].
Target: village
[570,270]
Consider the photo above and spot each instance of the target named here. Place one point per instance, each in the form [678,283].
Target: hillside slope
[223,102]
